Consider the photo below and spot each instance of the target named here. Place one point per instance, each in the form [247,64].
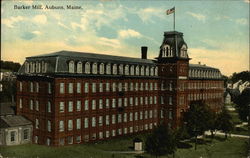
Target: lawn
[219,148]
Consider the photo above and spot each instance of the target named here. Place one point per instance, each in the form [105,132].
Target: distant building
[14,129]
[228,98]
[77,97]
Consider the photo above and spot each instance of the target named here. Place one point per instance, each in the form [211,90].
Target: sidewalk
[230,135]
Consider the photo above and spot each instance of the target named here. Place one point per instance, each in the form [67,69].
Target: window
[31,104]
[131,86]
[136,116]
[151,86]
[100,87]
[170,115]
[141,115]
[125,130]
[113,119]
[70,106]
[94,68]
[37,105]
[146,100]
[37,123]
[107,87]
[49,88]
[108,69]
[146,114]
[125,117]
[70,88]
[136,86]
[36,139]
[86,123]
[131,101]
[119,120]
[37,87]
[107,134]
[107,119]
[100,121]
[125,102]
[114,87]
[126,70]
[70,140]
[78,105]
[120,102]
[86,105]
[100,135]
[113,103]
[78,139]
[136,101]
[141,86]
[142,71]
[150,114]
[152,71]
[147,71]
[20,86]
[93,104]
[170,101]
[131,129]
[130,116]
[113,132]
[93,87]
[107,103]
[141,100]
[31,87]
[13,136]
[126,87]
[155,100]
[86,87]
[61,88]
[78,87]
[26,134]
[49,126]
[119,86]
[114,69]
[93,121]
[100,104]
[79,67]
[70,125]
[78,123]
[61,107]
[20,103]
[151,100]
[87,68]
[121,69]
[71,67]
[137,70]
[132,70]
[101,68]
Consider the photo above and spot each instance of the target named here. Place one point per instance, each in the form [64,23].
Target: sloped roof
[13,121]
[199,66]
[7,109]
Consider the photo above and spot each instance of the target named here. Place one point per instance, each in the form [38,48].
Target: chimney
[144,50]
[199,62]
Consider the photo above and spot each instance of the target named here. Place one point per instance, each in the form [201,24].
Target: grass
[218,148]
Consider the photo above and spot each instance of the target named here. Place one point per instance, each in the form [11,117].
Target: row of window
[204,96]
[36,67]
[34,104]
[14,135]
[107,103]
[204,73]
[35,87]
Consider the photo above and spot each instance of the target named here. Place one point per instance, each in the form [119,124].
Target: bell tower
[173,64]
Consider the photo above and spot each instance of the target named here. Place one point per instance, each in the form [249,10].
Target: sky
[216,31]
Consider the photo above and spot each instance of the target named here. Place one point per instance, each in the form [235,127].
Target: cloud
[147,14]
[75,25]
[114,43]
[247,1]
[129,33]
[40,19]
[199,17]
[63,25]
[28,35]
[242,21]
[37,32]
[9,22]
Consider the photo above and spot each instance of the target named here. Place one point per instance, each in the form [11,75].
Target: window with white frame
[141,86]
[131,87]
[132,70]
[20,103]
[100,104]
[78,139]
[86,122]
[131,101]
[70,106]
[114,69]
[108,69]
[141,100]
[125,117]
[113,119]
[113,133]
[130,116]
[70,125]
[37,123]
[156,86]
[151,100]
[86,87]
[119,119]
[20,86]
[31,87]
[107,134]
[94,68]
[125,86]
[93,105]
[86,105]
[107,87]
[78,105]
[70,88]
[121,69]
[152,71]
[31,104]
[127,70]
[120,102]
[136,86]
[141,115]
[162,100]
[87,68]
[147,70]
[151,86]
[151,114]
[107,103]
[125,102]
[78,87]
[130,129]
[61,107]
[113,86]
[170,101]
[146,100]
[78,123]
[136,116]
[113,103]
[37,87]
[101,68]
[142,71]
[155,99]
[100,121]
[79,67]
[137,70]
[136,101]
[61,126]
[156,71]
[125,130]
[120,131]
[100,135]
[119,86]
[37,105]
[146,115]
[93,121]
[49,88]
[107,119]
[61,88]
[71,67]
[100,87]
[93,87]
[49,126]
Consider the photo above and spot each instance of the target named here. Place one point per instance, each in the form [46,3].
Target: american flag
[170,11]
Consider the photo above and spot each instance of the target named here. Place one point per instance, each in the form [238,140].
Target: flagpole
[174,18]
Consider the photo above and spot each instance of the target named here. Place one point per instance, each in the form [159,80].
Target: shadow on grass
[184,145]
[221,139]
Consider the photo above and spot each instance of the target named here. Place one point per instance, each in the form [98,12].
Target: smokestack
[144,50]
[199,62]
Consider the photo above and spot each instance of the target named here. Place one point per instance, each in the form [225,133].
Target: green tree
[161,142]
[211,122]
[197,120]
[244,76]
[243,103]
[224,122]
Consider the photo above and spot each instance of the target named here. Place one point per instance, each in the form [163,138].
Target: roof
[13,121]
[199,66]
[7,109]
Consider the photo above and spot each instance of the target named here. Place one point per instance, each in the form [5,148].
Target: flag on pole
[170,11]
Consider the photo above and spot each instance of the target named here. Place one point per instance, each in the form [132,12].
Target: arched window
[79,67]
[114,69]
[101,68]
[87,68]
[121,69]
[156,71]
[27,68]
[189,73]
[166,51]
[147,70]
[127,70]
[94,68]
[71,67]
[142,71]
[37,67]
[183,51]
[33,67]
[152,71]
[137,70]
[108,68]
[132,70]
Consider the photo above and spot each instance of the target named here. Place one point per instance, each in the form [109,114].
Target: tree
[211,122]
[243,102]
[196,119]
[224,122]
[244,76]
[160,142]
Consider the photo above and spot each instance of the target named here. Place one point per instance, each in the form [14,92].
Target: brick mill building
[77,97]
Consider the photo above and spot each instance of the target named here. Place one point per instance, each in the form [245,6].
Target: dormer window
[94,68]
[166,51]
[108,69]
[71,67]
[126,70]
[142,70]
[87,68]
[156,71]
[114,69]
[147,70]
[27,68]
[137,70]
[79,67]
[101,68]
[132,70]
[183,51]
[121,69]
